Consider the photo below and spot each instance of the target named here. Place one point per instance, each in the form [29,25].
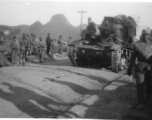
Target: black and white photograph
[78,59]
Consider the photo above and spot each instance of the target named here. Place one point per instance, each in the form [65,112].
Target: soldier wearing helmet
[91,29]
[142,71]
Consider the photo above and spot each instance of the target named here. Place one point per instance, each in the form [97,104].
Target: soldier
[142,72]
[33,41]
[91,26]
[14,45]
[28,45]
[91,29]
[54,47]
[41,47]
[48,44]
[60,44]
[70,39]
[130,25]
[22,49]
[2,50]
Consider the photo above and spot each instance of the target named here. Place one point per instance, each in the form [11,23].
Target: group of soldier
[142,67]
[28,45]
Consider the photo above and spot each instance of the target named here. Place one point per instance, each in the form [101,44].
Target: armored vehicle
[111,48]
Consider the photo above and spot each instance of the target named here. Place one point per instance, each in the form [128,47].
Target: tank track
[70,54]
[114,60]
[116,57]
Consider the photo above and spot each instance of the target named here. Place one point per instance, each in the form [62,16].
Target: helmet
[146,31]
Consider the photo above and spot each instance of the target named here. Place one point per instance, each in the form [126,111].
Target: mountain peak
[59,18]
[37,23]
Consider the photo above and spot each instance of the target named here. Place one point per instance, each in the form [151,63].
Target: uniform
[33,43]
[48,44]
[2,50]
[131,28]
[142,74]
[28,45]
[22,49]
[91,29]
[41,47]
[14,51]
[55,46]
[60,44]
[70,40]
[2,54]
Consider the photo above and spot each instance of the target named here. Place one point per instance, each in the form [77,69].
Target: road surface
[56,89]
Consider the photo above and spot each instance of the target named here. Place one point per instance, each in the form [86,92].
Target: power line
[81,19]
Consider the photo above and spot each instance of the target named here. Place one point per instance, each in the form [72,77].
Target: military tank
[110,49]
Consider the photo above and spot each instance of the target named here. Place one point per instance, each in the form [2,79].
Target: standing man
[41,47]
[28,44]
[14,46]
[48,44]
[54,48]
[70,39]
[32,43]
[2,50]
[22,49]
[142,72]
[60,44]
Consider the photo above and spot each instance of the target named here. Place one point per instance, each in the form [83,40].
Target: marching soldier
[41,47]
[142,72]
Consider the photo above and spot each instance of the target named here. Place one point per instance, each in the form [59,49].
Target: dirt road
[57,89]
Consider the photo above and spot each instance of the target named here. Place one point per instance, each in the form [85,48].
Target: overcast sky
[16,12]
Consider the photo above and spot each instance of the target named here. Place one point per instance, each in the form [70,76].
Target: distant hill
[58,25]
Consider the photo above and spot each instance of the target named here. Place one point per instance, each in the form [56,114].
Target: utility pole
[81,19]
